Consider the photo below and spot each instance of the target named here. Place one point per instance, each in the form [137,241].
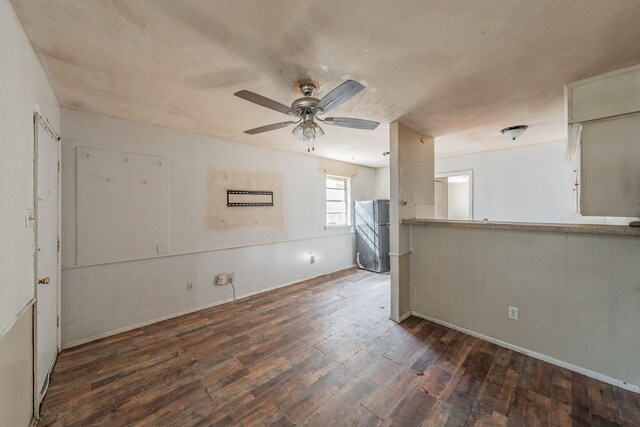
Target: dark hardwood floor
[324,353]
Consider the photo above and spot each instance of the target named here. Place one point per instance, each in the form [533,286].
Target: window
[338,201]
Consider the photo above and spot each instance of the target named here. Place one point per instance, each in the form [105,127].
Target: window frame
[347,200]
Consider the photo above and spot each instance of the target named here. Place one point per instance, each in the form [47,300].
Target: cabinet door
[610,157]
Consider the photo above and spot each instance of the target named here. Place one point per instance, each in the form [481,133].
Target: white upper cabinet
[604,96]
[610,159]
[603,115]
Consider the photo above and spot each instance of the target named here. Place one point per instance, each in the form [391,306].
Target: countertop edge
[617,230]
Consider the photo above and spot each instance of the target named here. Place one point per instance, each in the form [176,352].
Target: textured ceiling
[460,70]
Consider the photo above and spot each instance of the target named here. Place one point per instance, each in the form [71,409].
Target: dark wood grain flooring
[320,353]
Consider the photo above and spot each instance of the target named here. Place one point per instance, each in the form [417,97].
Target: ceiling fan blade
[351,123]
[339,96]
[267,128]
[265,102]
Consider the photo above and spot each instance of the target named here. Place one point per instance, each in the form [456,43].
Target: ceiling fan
[309,109]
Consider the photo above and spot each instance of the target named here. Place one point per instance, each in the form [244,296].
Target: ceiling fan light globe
[297,132]
[319,132]
[308,130]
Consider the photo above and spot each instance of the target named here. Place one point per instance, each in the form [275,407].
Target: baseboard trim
[575,368]
[193,310]
[405,316]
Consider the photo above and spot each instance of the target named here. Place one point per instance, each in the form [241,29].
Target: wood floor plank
[320,352]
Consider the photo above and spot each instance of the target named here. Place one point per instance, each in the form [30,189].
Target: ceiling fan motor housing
[307,89]
[304,105]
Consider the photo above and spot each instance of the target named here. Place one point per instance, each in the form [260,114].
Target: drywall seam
[570,366]
[174,254]
[193,310]
[15,319]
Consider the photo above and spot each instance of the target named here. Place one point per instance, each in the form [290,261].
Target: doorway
[47,254]
[454,195]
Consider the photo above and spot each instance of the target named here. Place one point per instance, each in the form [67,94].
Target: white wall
[383,185]
[22,85]
[532,183]
[577,294]
[100,299]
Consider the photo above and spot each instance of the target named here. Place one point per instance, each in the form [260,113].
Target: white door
[47,182]
[440,197]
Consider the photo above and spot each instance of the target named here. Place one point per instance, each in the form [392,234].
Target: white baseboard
[191,310]
[587,372]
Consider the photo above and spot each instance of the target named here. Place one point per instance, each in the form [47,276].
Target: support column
[412,190]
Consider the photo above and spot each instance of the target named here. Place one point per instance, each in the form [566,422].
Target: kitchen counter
[623,230]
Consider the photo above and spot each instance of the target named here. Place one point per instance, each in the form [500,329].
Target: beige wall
[577,294]
[16,372]
[412,196]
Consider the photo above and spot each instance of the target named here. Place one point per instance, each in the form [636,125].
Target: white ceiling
[460,70]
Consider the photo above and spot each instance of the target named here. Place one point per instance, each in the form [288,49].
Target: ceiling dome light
[514,131]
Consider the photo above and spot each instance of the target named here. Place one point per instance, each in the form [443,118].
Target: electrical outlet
[231,277]
[221,279]
[513,313]
[189,286]
[312,259]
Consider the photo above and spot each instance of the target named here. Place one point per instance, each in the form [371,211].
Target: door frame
[41,121]
[461,172]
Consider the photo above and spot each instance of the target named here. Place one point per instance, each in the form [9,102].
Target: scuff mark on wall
[219,216]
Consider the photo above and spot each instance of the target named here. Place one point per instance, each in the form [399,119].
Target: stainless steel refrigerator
[372,235]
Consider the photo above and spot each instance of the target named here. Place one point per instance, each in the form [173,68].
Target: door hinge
[58,166]
[57,321]
[58,247]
